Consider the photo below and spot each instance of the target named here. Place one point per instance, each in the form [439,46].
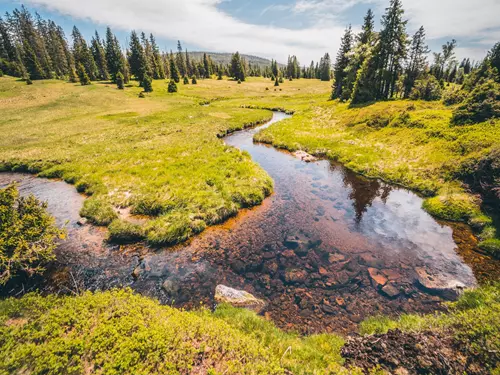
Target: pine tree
[189,65]
[366,34]
[114,57]
[237,67]
[276,82]
[206,66]
[174,72]
[219,75]
[83,55]
[33,67]
[100,57]
[137,59]
[417,61]
[186,80]
[179,60]
[341,63]
[147,83]
[58,50]
[325,68]
[120,81]
[82,75]
[157,62]
[194,81]
[172,87]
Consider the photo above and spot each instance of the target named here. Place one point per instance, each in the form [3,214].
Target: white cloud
[201,23]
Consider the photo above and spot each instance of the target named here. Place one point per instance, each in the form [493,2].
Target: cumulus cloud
[201,23]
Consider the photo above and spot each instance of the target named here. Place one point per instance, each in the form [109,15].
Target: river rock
[390,290]
[170,287]
[295,276]
[378,278]
[447,288]
[302,155]
[238,298]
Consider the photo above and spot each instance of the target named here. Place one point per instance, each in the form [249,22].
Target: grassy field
[158,155]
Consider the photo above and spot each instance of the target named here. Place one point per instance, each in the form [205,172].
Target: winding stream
[326,250]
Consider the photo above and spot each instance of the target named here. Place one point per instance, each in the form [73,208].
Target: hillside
[225,58]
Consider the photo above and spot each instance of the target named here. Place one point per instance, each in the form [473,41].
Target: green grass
[119,332]
[159,156]
[411,143]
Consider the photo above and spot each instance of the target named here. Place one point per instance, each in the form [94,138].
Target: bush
[28,234]
[194,81]
[186,80]
[98,211]
[1,73]
[172,87]
[29,81]
[239,81]
[120,80]
[454,96]
[427,89]
[481,104]
[147,83]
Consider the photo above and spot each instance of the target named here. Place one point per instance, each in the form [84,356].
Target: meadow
[161,156]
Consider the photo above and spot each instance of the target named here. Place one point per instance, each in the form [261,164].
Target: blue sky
[273,29]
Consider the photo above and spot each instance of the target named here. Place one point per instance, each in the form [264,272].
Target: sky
[271,28]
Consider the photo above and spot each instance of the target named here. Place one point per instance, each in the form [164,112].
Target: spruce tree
[100,57]
[158,68]
[120,81]
[174,72]
[82,75]
[237,67]
[137,59]
[341,63]
[114,56]
[186,80]
[147,83]
[276,82]
[179,60]
[206,66]
[219,75]
[172,87]
[417,61]
[194,81]
[83,54]
[325,68]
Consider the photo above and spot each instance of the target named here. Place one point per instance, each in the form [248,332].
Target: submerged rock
[238,298]
[302,155]
[378,278]
[170,287]
[447,288]
[390,290]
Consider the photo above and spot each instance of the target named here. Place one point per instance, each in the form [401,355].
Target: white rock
[238,298]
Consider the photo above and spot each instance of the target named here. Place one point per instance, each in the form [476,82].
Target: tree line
[388,64]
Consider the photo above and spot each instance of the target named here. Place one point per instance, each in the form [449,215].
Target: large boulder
[238,298]
[447,288]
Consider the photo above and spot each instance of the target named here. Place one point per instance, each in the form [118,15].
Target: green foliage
[194,81]
[481,104]
[172,86]
[186,80]
[454,95]
[82,75]
[29,81]
[276,82]
[147,83]
[28,234]
[237,67]
[98,211]
[119,332]
[491,246]
[426,89]
[120,81]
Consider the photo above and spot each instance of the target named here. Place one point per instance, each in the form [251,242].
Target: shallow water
[308,250]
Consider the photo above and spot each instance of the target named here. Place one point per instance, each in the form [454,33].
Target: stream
[326,250]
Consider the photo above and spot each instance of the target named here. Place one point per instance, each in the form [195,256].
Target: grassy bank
[409,143]
[118,332]
[159,155]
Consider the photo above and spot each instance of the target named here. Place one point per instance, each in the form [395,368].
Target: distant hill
[225,58]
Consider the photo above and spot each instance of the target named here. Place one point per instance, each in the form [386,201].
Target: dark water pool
[326,250]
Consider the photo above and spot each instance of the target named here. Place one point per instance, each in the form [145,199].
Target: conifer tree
[179,60]
[237,67]
[194,81]
[157,63]
[325,68]
[114,56]
[417,61]
[58,50]
[82,75]
[219,74]
[83,55]
[137,59]
[147,83]
[100,57]
[33,67]
[120,81]
[172,87]
[206,66]
[186,80]
[174,72]
[276,82]
[341,63]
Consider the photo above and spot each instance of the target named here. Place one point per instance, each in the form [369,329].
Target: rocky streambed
[326,250]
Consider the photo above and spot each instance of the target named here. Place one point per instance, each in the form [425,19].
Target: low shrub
[427,89]
[172,86]
[481,104]
[28,234]
[454,96]
[491,246]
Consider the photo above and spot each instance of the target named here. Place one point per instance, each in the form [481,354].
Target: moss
[121,231]
[118,332]
[491,246]
[453,207]
[98,211]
